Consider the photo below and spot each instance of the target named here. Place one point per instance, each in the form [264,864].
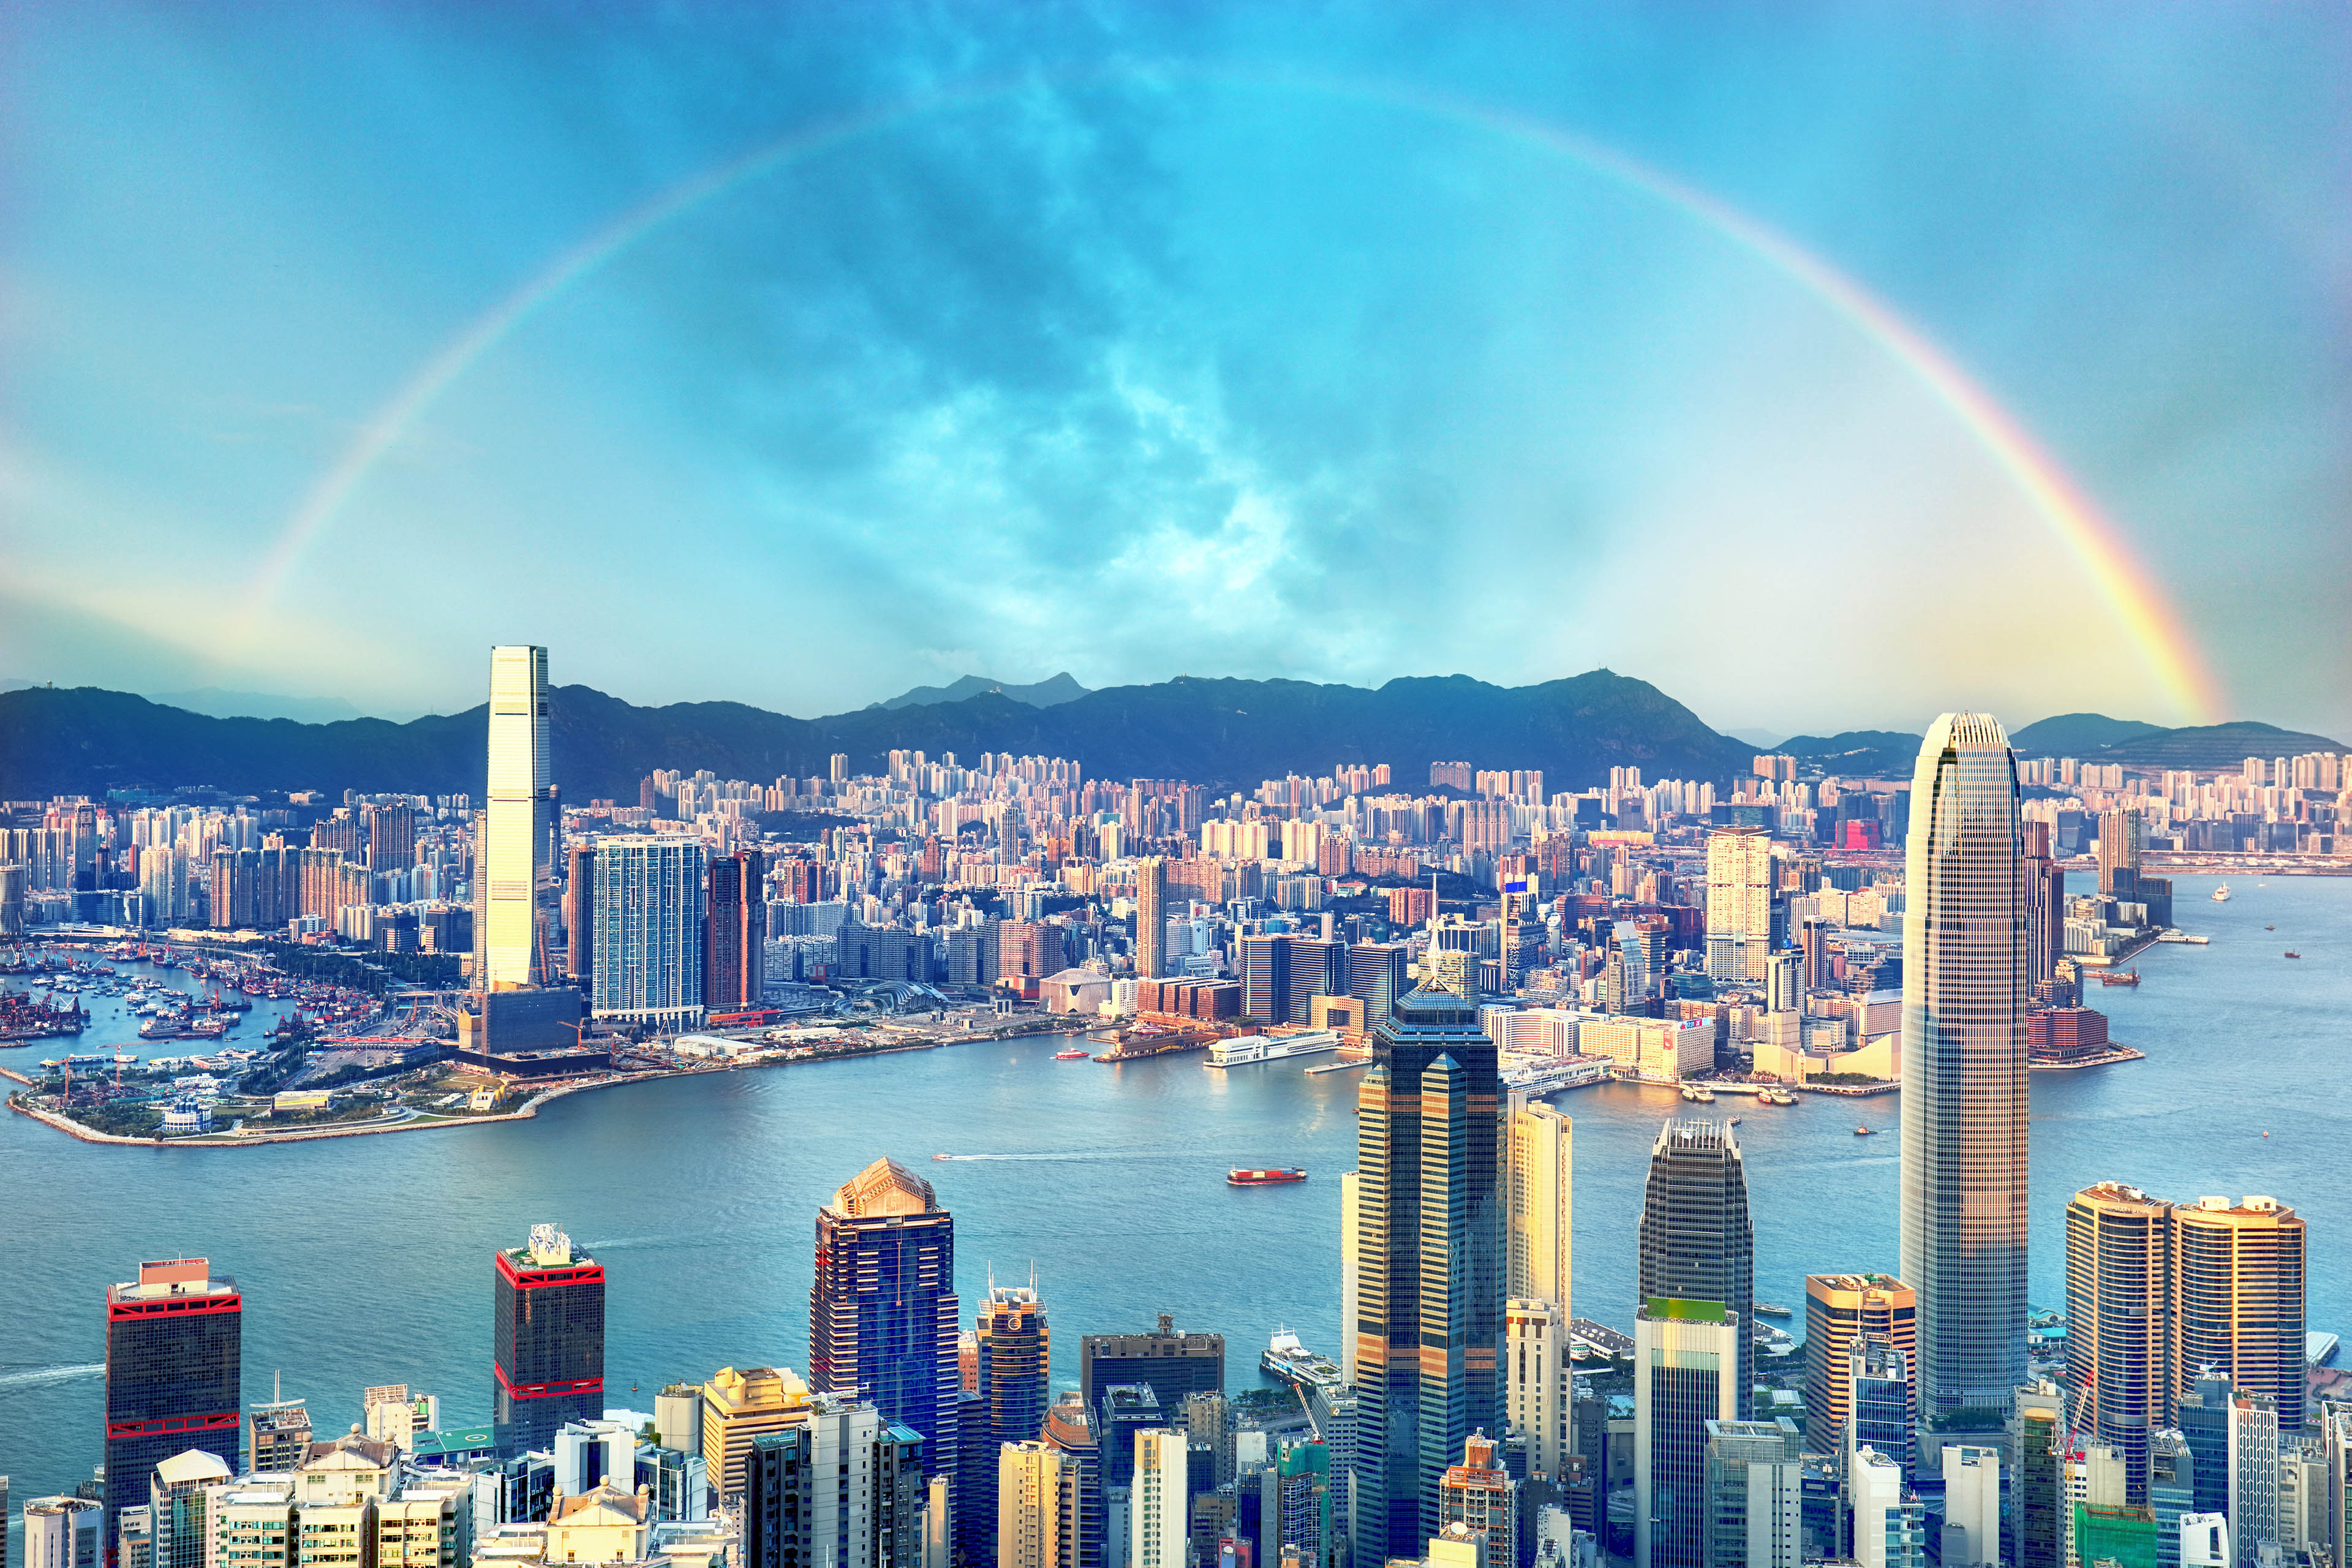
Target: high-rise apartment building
[1971,1506]
[2122,835]
[579,913]
[1686,1361]
[547,1320]
[62,1532]
[2238,1298]
[2119,1322]
[514,863]
[844,1487]
[1481,1496]
[1967,978]
[1151,918]
[174,1339]
[1840,1310]
[1738,904]
[1696,1242]
[737,1408]
[647,924]
[734,925]
[883,1310]
[391,836]
[1070,1429]
[1430,1235]
[1036,1496]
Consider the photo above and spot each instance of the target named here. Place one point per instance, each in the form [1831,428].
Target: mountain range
[1228,734]
[1062,688]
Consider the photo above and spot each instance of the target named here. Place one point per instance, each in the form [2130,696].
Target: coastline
[523,1112]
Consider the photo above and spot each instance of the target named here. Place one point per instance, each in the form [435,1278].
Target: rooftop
[883,1188]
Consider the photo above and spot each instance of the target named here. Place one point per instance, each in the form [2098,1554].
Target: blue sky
[1167,340]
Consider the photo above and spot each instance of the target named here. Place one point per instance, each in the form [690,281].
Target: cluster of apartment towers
[1451,1431]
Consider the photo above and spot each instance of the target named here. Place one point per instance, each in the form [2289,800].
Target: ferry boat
[2222,894]
[1771,1309]
[1240,1178]
[1070,1056]
[2123,977]
[1547,1078]
[1698,1096]
[1296,1366]
[1246,1049]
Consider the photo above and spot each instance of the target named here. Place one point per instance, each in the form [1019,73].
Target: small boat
[1069,1055]
[943,1156]
[1275,1177]
[2125,977]
[1865,1131]
[2270,927]
[2294,955]
[1735,1121]
[2222,894]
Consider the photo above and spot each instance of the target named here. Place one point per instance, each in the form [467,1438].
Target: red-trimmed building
[547,1313]
[174,1340]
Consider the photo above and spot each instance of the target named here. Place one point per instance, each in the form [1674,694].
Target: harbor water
[367,1261]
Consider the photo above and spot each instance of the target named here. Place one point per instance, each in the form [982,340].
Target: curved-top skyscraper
[1967,978]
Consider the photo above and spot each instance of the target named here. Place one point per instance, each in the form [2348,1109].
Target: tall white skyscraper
[1968,974]
[1738,904]
[514,861]
[1538,1204]
[1161,1521]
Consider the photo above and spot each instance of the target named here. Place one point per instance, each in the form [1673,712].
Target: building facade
[2238,1298]
[1966,979]
[883,1312]
[1696,1242]
[1840,1311]
[174,1345]
[547,1340]
[1686,1361]
[648,928]
[2119,1321]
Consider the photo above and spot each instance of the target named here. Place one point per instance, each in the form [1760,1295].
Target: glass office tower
[547,1331]
[514,857]
[173,1342]
[1967,978]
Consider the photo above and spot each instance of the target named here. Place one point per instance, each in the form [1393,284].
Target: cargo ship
[1264,1178]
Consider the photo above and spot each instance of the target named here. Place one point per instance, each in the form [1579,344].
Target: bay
[367,1261]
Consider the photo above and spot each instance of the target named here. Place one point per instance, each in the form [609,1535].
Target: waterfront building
[1430,1245]
[2238,1298]
[1151,918]
[173,1338]
[1161,1500]
[277,1435]
[580,914]
[734,928]
[1738,904]
[1967,978]
[1685,1374]
[883,1310]
[1011,1348]
[738,1407]
[646,917]
[1172,1364]
[1376,975]
[1971,1506]
[1696,1242]
[514,859]
[547,1316]
[2118,1320]
[1755,1494]
[1840,1311]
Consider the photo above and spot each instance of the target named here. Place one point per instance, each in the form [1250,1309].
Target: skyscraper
[173,1337]
[1037,1507]
[734,925]
[1014,1348]
[1162,1499]
[1697,1243]
[579,913]
[1151,917]
[1966,964]
[1539,1199]
[2238,1298]
[514,864]
[2119,1322]
[1840,1310]
[547,1320]
[845,1487]
[1738,904]
[1070,1428]
[883,1312]
[648,919]
[1685,1356]
[1430,1232]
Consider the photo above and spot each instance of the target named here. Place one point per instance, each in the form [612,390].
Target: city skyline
[1605,295]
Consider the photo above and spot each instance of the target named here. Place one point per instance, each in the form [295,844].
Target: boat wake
[35,1376]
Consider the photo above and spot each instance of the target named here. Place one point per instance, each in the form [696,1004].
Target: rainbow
[2095,542]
